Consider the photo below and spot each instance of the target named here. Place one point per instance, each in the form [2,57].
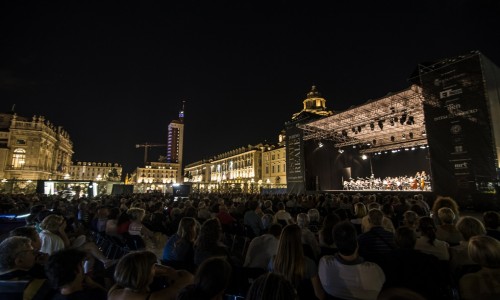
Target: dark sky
[114,73]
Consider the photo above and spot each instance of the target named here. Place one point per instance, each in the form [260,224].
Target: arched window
[19,158]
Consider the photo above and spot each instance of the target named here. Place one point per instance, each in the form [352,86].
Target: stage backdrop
[458,122]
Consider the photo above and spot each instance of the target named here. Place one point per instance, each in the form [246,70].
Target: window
[19,158]
[21,142]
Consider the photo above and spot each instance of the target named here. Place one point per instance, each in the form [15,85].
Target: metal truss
[393,121]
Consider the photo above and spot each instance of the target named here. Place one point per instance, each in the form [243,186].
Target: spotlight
[372,126]
[364,157]
[392,138]
[320,144]
[341,151]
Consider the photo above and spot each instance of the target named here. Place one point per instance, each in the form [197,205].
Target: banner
[295,160]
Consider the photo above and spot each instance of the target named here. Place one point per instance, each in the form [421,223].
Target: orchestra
[421,181]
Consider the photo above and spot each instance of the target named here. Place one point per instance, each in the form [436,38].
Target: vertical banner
[295,160]
[458,126]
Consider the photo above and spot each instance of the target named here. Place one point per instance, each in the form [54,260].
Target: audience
[262,248]
[180,246]
[347,275]
[271,286]
[427,242]
[491,221]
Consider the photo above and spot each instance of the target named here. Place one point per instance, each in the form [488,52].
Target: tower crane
[146,146]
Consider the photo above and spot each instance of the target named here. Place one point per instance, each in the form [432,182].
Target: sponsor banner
[295,169]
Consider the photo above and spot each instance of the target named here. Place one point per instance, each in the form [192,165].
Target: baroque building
[156,176]
[97,171]
[33,149]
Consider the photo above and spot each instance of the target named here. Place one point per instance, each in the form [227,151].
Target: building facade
[155,177]
[175,143]
[96,171]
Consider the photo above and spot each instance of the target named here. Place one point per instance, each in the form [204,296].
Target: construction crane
[146,146]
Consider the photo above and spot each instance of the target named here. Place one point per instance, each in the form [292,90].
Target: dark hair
[26,231]
[491,219]
[61,267]
[427,227]
[114,213]
[271,286]
[329,222]
[405,237]
[345,237]
[212,278]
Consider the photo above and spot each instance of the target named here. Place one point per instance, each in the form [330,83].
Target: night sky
[114,73]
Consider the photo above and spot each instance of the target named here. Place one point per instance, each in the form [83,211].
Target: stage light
[320,144]
[381,124]
[392,138]
[372,126]
[364,157]
[341,151]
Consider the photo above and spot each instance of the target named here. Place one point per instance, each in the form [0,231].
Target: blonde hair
[446,215]
[445,202]
[485,251]
[289,260]
[136,213]
[133,271]
[52,222]
[360,210]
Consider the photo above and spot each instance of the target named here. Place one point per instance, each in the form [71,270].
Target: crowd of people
[247,246]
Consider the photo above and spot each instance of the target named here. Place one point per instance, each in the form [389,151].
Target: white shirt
[362,280]
[51,242]
[439,249]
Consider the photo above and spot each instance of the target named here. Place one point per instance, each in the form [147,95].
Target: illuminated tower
[175,143]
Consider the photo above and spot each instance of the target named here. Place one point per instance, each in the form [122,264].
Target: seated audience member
[297,268]
[210,282]
[410,220]
[314,220]
[460,262]
[427,242]
[262,248]
[386,222]
[209,242]
[111,228]
[225,218]
[359,213]
[346,275]
[53,235]
[64,270]
[325,233]
[409,268]
[137,228]
[282,216]
[271,286]
[377,241]
[447,231]
[491,221]
[180,246]
[17,258]
[444,202]
[484,284]
[136,271]
[308,238]
[40,257]
[252,218]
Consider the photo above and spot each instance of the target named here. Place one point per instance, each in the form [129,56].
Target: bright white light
[320,144]
[364,157]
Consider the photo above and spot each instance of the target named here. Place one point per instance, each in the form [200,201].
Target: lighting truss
[360,125]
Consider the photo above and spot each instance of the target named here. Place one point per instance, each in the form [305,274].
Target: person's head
[491,219]
[360,210]
[484,251]
[427,227]
[64,267]
[289,259]
[52,223]
[446,215]
[313,214]
[114,213]
[267,220]
[16,252]
[29,232]
[210,234]
[410,218]
[136,213]
[271,286]
[444,202]
[405,237]
[302,220]
[275,229]
[187,229]
[135,270]
[280,206]
[345,238]
[470,226]
[375,217]
[268,204]
[373,205]
[211,279]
